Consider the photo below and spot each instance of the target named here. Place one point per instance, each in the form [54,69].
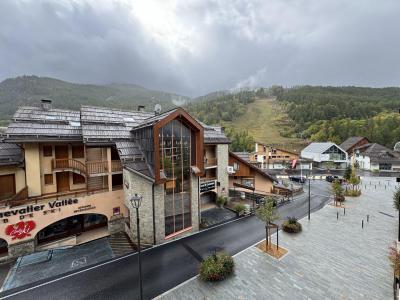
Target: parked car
[297,179]
[332,178]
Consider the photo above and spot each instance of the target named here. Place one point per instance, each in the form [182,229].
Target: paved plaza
[331,259]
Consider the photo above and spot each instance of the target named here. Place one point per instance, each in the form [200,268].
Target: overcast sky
[195,47]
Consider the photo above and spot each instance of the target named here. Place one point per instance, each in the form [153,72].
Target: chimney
[141,108]
[46,104]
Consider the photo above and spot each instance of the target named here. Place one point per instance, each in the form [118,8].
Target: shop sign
[207,186]
[20,230]
[27,211]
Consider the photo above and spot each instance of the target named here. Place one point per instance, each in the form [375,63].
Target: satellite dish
[157,109]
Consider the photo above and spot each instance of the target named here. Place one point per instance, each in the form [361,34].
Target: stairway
[121,244]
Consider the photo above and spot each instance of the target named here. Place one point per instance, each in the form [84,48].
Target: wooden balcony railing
[116,166]
[97,167]
[68,163]
[209,162]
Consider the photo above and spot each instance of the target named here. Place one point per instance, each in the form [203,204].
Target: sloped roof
[253,167]
[10,154]
[34,123]
[350,142]
[379,154]
[243,155]
[318,147]
[100,124]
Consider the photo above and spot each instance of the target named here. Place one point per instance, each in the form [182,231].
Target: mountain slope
[28,90]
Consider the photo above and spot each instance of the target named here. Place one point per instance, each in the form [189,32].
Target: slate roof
[243,155]
[350,142]
[31,123]
[214,135]
[10,154]
[378,153]
[101,124]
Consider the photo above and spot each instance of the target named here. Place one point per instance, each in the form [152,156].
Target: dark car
[297,179]
[331,178]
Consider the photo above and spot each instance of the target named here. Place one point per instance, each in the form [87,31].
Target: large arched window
[176,149]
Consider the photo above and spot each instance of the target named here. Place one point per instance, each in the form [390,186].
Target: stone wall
[116,224]
[195,203]
[134,183]
[22,248]
[222,173]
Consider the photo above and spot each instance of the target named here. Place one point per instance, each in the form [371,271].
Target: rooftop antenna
[157,109]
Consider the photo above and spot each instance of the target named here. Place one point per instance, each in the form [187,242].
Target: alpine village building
[67,177]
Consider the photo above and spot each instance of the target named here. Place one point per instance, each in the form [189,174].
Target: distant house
[397,147]
[353,142]
[270,157]
[326,155]
[375,157]
[245,174]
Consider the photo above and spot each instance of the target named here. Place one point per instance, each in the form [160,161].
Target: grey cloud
[211,45]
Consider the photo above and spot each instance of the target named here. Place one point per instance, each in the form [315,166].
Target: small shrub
[291,225]
[240,208]
[217,267]
[352,193]
[221,201]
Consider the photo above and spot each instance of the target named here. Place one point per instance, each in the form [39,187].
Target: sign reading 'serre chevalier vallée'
[35,208]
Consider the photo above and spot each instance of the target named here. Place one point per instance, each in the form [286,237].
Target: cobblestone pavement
[330,259]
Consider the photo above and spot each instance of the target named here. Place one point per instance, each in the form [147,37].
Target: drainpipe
[198,200]
[154,214]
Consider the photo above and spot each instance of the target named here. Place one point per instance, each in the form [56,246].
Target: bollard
[370,183]
[344,211]
[337,215]
[367,218]
[362,223]
[379,182]
[375,186]
[385,187]
[365,186]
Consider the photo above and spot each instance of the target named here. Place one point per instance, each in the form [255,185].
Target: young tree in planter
[267,213]
[354,180]
[396,204]
[347,173]
[337,191]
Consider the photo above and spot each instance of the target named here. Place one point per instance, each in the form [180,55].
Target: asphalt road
[164,266]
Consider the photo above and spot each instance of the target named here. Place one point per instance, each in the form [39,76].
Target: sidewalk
[330,259]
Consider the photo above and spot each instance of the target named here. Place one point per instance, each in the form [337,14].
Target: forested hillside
[28,90]
[335,113]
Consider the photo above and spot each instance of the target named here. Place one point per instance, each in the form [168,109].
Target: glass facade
[176,151]
[335,153]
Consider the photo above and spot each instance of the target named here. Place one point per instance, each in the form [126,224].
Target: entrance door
[7,186]
[61,151]
[62,181]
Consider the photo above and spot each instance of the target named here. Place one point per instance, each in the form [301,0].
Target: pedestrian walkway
[331,259]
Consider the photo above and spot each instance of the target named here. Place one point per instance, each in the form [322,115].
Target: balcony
[116,166]
[210,162]
[97,167]
[68,164]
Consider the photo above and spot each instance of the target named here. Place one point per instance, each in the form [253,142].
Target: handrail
[116,166]
[97,167]
[69,163]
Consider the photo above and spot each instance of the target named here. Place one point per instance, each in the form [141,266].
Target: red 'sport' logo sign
[20,230]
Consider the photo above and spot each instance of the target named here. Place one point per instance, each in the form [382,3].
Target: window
[235,166]
[385,167]
[47,151]
[77,179]
[176,145]
[78,151]
[48,179]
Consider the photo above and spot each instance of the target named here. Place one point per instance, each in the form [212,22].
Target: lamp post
[309,196]
[136,201]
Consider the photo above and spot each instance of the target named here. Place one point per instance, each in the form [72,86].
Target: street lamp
[136,201]
[309,198]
